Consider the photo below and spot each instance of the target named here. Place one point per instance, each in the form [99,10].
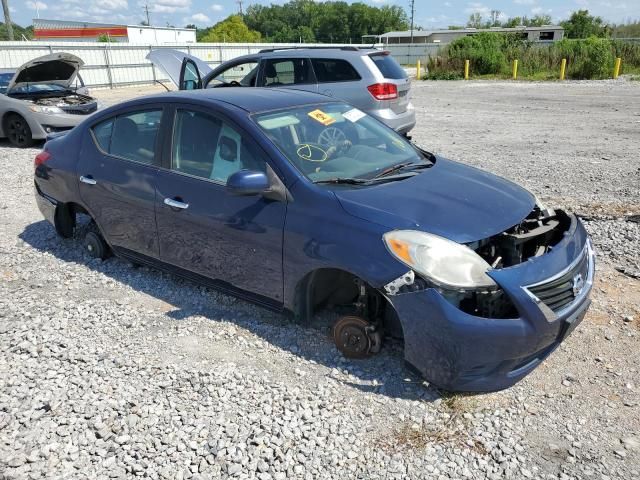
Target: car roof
[319,52]
[250,99]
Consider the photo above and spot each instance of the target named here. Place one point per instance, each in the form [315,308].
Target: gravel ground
[111,371]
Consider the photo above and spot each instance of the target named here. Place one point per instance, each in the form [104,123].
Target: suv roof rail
[347,48]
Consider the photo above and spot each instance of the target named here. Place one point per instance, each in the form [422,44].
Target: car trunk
[395,74]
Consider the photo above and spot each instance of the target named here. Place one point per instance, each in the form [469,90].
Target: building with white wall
[73,31]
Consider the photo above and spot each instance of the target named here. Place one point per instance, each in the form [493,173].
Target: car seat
[271,73]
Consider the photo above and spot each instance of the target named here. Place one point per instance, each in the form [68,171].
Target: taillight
[42,157]
[383,91]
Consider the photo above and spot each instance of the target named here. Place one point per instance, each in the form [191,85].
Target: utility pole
[7,19]
[146,11]
[413,11]
[239,2]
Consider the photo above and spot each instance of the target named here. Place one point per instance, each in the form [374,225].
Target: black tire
[18,131]
[95,245]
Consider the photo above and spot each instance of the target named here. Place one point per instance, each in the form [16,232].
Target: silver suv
[367,78]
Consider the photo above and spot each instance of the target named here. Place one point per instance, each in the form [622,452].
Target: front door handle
[88,180]
[173,203]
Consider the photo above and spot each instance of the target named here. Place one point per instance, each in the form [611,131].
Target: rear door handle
[88,180]
[172,202]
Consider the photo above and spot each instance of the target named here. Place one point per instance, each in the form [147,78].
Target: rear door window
[287,71]
[131,136]
[334,70]
[388,66]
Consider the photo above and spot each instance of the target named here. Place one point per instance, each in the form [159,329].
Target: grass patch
[491,56]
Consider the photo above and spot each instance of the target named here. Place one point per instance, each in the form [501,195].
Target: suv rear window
[388,66]
[334,70]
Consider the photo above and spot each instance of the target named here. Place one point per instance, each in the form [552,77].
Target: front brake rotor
[355,337]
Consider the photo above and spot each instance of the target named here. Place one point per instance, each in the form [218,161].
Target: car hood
[452,200]
[170,62]
[59,68]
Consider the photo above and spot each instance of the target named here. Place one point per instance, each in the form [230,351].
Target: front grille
[559,292]
[85,109]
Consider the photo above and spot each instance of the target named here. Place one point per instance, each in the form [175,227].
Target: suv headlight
[46,109]
[447,264]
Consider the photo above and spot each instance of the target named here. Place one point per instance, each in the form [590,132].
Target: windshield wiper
[402,166]
[344,180]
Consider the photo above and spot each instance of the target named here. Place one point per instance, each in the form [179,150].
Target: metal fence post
[106,59]
[153,67]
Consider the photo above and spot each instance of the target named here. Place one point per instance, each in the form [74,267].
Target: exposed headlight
[447,264]
[46,109]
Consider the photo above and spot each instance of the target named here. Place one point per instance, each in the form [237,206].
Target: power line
[413,11]
[146,11]
[7,19]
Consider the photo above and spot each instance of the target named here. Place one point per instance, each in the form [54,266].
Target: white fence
[120,64]
[410,53]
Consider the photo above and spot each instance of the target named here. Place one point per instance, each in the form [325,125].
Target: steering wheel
[234,83]
[331,136]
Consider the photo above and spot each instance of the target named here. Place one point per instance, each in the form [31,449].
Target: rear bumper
[460,352]
[400,122]
[46,205]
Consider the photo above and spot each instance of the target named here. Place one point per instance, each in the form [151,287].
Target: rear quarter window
[334,70]
[102,133]
[388,66]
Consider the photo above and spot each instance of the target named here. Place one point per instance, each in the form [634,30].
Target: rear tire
[95,245]
[18,131]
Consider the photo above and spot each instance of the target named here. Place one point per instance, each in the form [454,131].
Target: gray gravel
[111,371]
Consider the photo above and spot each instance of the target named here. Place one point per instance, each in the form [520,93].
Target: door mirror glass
[248,182]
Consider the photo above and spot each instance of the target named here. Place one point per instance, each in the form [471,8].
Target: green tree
[332,21]
[475,20]
[18,32]
[231,29]
[583,25]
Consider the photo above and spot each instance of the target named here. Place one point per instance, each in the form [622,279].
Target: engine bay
[62,101]
[534,236]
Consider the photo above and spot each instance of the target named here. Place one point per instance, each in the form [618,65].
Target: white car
[43,96]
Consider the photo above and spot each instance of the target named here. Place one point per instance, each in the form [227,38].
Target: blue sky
[429,14]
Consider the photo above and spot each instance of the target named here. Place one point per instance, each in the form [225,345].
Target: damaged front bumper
[459,351]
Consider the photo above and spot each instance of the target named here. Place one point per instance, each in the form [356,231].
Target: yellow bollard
[515,69]
[563,68]
[616,68]
[466,69]
[418,76]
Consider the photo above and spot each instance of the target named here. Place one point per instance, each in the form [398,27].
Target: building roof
[42,23]
[428,33]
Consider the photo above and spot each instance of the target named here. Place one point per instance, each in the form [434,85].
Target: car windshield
[337,141]
[38,88]
[5,78]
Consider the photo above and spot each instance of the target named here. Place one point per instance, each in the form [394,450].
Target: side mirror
[248,182]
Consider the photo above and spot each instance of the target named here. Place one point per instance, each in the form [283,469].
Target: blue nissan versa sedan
[298,202]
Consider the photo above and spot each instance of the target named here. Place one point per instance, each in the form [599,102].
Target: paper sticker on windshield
[324,118]
[353,115]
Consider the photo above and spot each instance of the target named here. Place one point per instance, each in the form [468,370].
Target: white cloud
[168,6]
[216,7]
[199,18]
[524,2]
[37,5]
[475,7]
[540,10]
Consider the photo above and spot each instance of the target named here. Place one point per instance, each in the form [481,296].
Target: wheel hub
[355,337]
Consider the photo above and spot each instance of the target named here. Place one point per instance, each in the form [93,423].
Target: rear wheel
[18,131]
[95,245]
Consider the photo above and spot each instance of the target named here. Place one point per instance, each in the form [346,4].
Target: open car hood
[452,200]
[58,68]
[170,62]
